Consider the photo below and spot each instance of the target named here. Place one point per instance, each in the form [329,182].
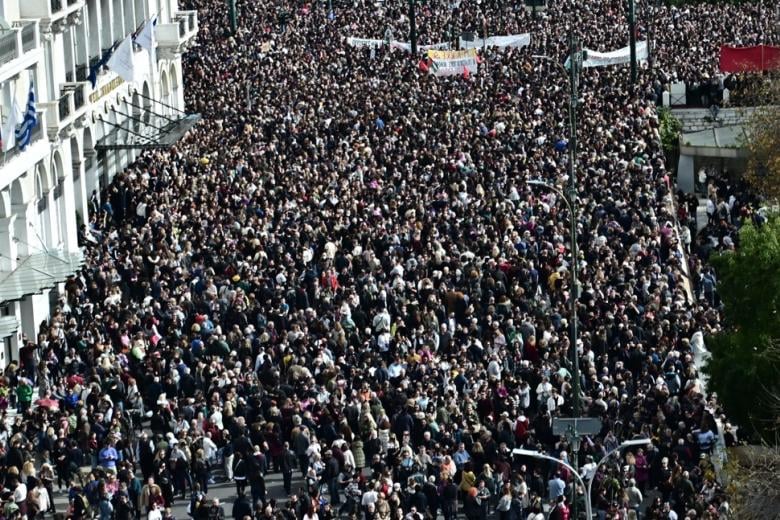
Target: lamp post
[412,27]
[539,455]
[570,198]
[232,16]
[623,445]
[632,38]
[570,202]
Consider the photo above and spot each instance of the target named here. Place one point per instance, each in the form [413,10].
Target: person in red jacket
[561,510]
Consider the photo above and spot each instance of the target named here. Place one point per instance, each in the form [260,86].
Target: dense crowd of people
[342,275]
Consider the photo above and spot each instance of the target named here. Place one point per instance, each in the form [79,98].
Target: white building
[84,135]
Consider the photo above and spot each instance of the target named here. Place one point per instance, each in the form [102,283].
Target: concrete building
[84,136]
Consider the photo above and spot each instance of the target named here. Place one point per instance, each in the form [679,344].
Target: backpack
[91,492]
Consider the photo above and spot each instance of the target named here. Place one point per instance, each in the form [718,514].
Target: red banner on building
[749,59]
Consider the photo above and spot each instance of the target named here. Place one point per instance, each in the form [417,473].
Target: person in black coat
[449,496]
[123,508]
[287,463]
[241,507]
[432,496]
[418,499]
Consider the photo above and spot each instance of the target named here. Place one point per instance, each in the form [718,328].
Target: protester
[343,274]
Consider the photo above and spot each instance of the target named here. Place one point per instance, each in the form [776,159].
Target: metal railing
[78,89]
[79,96]
[63,107]
[82,72]
[29,38]
[9,46]
[56,5]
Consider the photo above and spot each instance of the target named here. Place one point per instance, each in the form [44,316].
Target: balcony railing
[29,36]
[9,46]
[182,27]
[63,107]
[49,11]
[79,96]
[82,72]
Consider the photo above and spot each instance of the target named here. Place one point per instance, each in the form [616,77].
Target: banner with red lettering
[749,59]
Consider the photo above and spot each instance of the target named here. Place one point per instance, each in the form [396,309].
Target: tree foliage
[670,129]
[745,360]
[763,138]
[754,482]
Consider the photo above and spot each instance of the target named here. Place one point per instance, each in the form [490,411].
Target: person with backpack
[79,505]
[196,498]
[123,507]
[240,472]
[105,507]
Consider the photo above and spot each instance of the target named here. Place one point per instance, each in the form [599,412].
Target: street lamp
[623,445]
[412,28]
[575,60]
[539,455]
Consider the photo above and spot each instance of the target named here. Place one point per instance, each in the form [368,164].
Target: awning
[727,142]
[145,128]
[8,326]
[35,273]
[733,136]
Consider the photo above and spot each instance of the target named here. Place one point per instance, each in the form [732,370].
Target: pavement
[225,491]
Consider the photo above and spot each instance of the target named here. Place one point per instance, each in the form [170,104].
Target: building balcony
[19,48]
[66,110]
[54,14]
[80,100]
[175,36]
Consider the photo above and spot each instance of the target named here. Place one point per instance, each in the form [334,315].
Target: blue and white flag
[95,69]
[30,121]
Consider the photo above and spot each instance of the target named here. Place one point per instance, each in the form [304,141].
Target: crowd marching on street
[341,275]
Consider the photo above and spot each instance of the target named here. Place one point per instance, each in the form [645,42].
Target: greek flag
[23,132]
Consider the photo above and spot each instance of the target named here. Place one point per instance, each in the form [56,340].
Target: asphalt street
[224,491]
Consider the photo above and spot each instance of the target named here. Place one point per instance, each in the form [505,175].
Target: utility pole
[575,61]
[412,28]
[232,16]
[574,427]
[632,38]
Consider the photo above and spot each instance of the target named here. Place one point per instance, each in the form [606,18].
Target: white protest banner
[603,59]
[365,42]
[420,48]
[512,40]
[450,63]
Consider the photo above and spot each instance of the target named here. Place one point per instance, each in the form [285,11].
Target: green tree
[762,132]
[670,130]
[754,482]
[745,361]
